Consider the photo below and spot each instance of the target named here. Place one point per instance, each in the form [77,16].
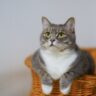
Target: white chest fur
[58,63]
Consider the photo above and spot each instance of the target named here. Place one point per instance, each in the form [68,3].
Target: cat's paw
[66,90]
[47,89]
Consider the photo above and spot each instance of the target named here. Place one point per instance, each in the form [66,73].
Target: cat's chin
[53,48]
[56,49]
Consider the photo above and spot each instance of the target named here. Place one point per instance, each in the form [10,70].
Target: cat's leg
[46,80]
[65,85]
[67,78]
[46,83]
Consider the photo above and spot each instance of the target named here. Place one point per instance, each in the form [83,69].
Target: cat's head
[58,36]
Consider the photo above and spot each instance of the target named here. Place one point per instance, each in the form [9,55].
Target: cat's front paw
[47,89]
[66,90]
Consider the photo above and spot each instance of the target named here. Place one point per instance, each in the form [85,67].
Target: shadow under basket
[83,86]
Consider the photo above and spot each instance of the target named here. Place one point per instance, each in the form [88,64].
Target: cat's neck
[66,52]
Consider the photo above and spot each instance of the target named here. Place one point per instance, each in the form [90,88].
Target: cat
[59,57]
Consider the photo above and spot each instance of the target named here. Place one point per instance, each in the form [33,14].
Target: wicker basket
[83,86]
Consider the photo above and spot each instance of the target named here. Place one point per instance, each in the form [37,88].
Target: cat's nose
[52,40]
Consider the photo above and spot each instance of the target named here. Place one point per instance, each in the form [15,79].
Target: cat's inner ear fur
[45,22]
[70,24]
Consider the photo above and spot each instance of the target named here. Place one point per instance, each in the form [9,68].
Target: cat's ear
[70,24]
[45,22]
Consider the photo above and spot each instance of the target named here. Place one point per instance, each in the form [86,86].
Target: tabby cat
[59,57]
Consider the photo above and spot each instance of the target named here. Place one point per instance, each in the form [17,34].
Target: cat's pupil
[61,33]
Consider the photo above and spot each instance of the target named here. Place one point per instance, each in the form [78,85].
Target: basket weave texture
[83,86]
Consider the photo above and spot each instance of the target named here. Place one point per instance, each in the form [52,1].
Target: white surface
[15,83]
[20,27]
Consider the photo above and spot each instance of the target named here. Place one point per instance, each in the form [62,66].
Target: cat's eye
[47,34]
[61,35]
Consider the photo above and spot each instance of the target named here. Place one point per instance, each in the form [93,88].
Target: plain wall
[20,27]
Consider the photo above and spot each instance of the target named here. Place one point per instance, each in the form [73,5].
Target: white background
[20,27]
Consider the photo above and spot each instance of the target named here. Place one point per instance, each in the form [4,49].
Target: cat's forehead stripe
[56,28]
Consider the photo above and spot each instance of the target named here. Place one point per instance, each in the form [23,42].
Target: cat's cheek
[59,45]
[49,42]
[45,45]
[55,42]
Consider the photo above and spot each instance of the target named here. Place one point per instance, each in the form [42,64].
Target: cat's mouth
[51,44]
